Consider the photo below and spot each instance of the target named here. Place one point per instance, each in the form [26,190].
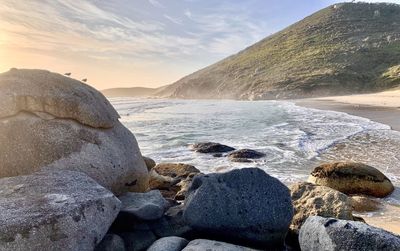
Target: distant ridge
[129,92]
[343,49]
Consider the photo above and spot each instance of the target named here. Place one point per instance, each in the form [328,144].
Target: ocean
[295,139]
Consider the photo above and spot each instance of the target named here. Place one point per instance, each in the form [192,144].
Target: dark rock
[111,242]
[58,210]
[144,206]
[138,240]
[330,234]
[210,245]
[172,243]
[352,178]
[245,205]
[150,163]
[245,154]
[211,147]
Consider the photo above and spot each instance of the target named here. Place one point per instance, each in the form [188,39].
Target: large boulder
[211,147]
[245,205]
[330,234]
[363,204]
[310,200]
[59,210]
[210,245]
[352,178]
[172,243]
[144,206]
[56,122]
[111,242]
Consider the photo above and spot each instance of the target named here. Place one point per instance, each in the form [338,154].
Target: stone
[57,123]
[246,205]
[172,243]
[144,206]
[172,178]
[330,234]
[364,204]
[210,245]
[245,154]
[352,178]
[150,163]
[211,147]
[58,210]
[111,242]
[138,240]
[309,200]
[184,186]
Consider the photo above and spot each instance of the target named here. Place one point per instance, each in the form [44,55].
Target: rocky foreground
[73,178]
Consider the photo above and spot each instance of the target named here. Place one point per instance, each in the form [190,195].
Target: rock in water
[244,205]
[144,206]
[330,234]
[364,204]
[209,245]
[352,178]
[56,122]
[172,243]
[59,210]
[244,155]
[211,147]
[310,200]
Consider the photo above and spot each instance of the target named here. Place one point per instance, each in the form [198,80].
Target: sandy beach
[383,107]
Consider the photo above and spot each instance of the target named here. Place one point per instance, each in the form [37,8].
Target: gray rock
[54,131]
[211,147]
[245,205]
[59,210]
[331,234]
[172,243]
[138,240]
[41,91]
[209,245]
[144,206]
[111,242]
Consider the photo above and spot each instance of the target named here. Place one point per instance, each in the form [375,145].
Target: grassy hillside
[345,48]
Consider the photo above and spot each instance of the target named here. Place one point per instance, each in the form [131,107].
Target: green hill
[343,49]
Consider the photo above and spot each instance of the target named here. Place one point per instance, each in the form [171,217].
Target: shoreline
[386,115]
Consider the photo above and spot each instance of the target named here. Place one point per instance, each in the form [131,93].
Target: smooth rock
[150,163]
[172,243]
[364,204]
[138,240]
[244,154]
[211,147]
[59,210]
[244,205]
[330,234]
[210,245]
[111,242]
[352,178]
[57,123]
[144,206]
[309,200]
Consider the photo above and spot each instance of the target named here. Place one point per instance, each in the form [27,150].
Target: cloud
[156,4]
[174,19]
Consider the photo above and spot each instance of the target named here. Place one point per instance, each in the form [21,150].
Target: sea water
[295,139]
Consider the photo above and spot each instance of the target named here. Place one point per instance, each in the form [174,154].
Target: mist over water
[294,139]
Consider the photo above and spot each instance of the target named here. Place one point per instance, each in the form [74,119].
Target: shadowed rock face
[79,131]
[40,91]
[59,210]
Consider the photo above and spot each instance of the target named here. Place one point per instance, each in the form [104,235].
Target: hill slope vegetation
[343,49]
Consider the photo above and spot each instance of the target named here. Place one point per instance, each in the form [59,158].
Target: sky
[125,43]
